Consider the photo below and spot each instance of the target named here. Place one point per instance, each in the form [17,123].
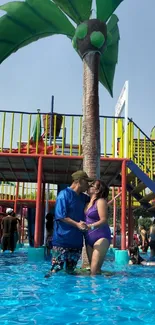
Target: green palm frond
[110,57]
[28,21]
[105,8]
[77,10]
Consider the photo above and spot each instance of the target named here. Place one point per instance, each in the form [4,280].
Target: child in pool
[136,259]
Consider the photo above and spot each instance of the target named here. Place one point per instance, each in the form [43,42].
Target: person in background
[98,234]
[152,243]
[136,259]
[134,255]
[2,215]
[18,233]
[135,238]
[9,229]
[49,231]
[118,237]
[143,239]
[126,239]
[69,224]
[16,228]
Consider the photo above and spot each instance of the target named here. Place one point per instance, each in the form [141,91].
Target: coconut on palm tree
[95,40]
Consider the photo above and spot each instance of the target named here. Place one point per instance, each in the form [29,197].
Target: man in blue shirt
[69,223]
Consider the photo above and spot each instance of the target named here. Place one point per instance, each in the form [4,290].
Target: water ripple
[27,298]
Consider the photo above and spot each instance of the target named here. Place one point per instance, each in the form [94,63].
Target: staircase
[137,182]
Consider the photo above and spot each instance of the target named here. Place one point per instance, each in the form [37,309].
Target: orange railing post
[16,197]
[114,222]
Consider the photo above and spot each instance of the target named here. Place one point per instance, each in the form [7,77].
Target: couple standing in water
[77,217]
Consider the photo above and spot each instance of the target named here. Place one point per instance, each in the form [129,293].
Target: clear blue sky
[50,66]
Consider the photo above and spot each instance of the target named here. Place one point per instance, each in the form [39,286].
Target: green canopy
[105,8]
[77,10]
[110,57]
[31,20]
[26,22]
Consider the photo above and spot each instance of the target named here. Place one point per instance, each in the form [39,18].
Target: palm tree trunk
[91,122]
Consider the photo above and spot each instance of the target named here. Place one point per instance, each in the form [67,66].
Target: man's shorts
[65,256]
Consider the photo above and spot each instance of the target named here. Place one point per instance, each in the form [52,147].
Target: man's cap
[9,210]
[80,174]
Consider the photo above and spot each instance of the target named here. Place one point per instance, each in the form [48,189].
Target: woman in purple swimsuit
[98,236]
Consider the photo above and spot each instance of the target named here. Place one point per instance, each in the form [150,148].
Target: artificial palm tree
[95,40]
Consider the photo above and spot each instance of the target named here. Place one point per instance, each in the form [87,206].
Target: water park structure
[45,151]
[122,154]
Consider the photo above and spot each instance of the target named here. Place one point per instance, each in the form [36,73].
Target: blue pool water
[27,298]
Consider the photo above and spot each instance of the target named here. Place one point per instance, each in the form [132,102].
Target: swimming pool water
[27,298]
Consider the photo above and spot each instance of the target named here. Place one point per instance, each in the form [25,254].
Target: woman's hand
[89,227]
[82,226]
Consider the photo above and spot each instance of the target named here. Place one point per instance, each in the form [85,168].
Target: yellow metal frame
[11,133]
[139,148]
[71,135]
[29,133]
[20,132]
[3,130]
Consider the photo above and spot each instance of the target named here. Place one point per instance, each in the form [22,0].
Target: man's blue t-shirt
[69,204]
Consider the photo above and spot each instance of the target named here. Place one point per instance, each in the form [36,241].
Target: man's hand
[82,226]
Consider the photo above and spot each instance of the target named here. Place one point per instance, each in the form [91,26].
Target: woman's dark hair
[49,223]
[134,255]
[49,216]
[102,188]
